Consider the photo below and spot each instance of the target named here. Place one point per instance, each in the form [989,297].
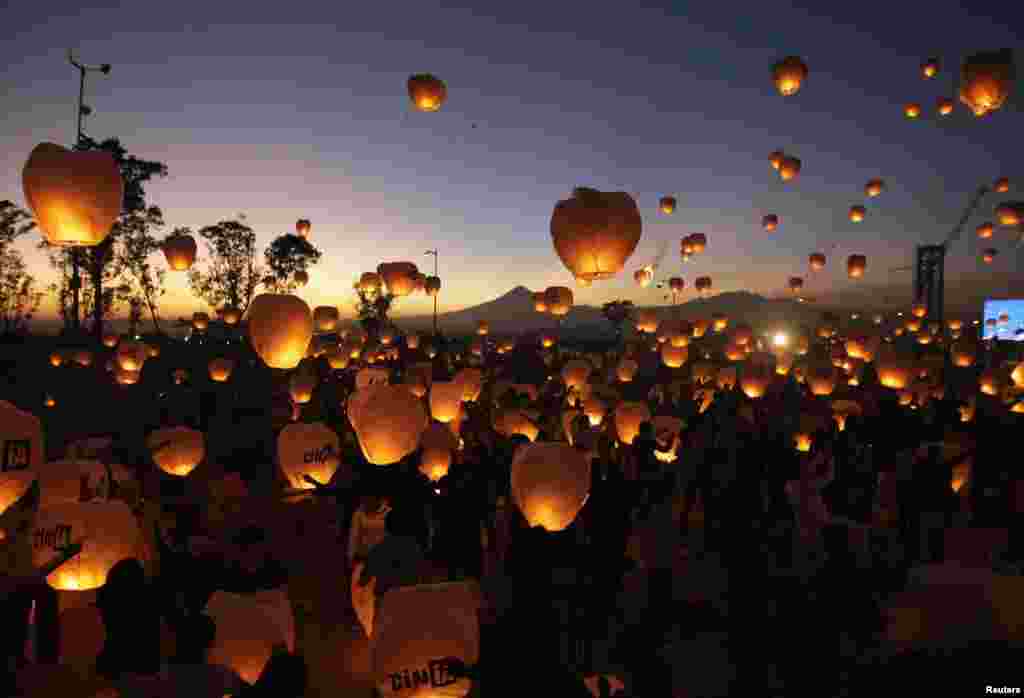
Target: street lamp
[82,111]
[434,254]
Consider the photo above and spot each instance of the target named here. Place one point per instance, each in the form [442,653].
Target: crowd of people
[804,560]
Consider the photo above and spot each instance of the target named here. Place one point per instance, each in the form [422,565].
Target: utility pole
[81,112]
[435,255]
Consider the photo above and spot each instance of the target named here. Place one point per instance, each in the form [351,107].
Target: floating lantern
[428,93]
[280,327]
[176,450]
[550,484]
[789,75]
[595,233]
[308,450]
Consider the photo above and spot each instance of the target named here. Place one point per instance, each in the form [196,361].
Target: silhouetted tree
[138,243]
[231,276]
[19,299]
[14,222]
[617,313]
[286,255]
[372,308]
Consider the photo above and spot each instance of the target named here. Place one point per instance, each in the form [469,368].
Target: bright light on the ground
[780,339]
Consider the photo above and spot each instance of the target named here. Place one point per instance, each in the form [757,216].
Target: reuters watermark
[1002,690]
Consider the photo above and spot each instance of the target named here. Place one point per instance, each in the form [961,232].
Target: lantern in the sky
[131,355]
[856,264]
[702,284]
[626,370]
[770,222]
[985,230]
[472,383]
[558,300]
[437,444]
[1017,375]
[308,449]
[301,385]
[550,484]
[76,196]
[220,369]
[990,383]
[595,233]
[428,93]
[754,382]
[483,328]
[415,629]
[930,68]
[944,105]
[249,627]
[699,241]
[108,529]
[325,318]
[388,421]
[788,75]
[821,379]
[857,214]
[874,187]
[673,356]
[576,373]
[988,255]
[302,228]
[231,315]
[796,284]
[667,205]
[1010,213]
[1002,185]
[775,158]
[919,310]
[789,168]
[82,357]
[398,277]
[539,300]
[176,450]
[280,328]
[628,418]
[986,79]
[816,261]
[180,251]
[647,321]
[110,340]
[432,286]
[125,376]
[644,277]
[912,110]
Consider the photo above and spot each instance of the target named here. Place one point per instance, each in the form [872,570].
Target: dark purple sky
[288,110]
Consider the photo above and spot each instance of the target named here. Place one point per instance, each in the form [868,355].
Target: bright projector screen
[1009,320]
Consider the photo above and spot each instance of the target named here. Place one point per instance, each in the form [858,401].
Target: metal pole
[76,277]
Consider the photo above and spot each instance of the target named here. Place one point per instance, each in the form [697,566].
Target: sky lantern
[673,356]
[559,300]
[626,370]
[628,417]
[180,251]
[1010,213]
[789,75]
[540,301]
[412,341]
[676,284]
[986,79]
[446,400]
[796,284]
[719,322]
[472,383]
[775,158]
[231,315]
[301,385]
[249,626]
[821,379]
[76,196]
[770,222]
[742,335]
[398,277]
[646,321]
[325,318]
[432,286]
[82,357]
[200,322]
[699,241]
[874,187]
[595,233]
[919,310]
[702,284]
[415,628]
[369,282]
[816,261]
[512,422]
[576,373]
[176,450]
[483,328]
[989,255]
[14,484]
[280,327]
[985,230]
[1001,186]
[220,369]
[856,265]
[644,277]
[789,168]
[547,340]
[124,376]
[989,383]
[372,376]
[857,214]
[944,105]
[302,228]
[428,93]
[308,449]
[754,382]
[438,443]
[912,110]
[131,355]
[930,68]
[1017,375]
[56,359]
[550,484]
[388,420]
[108,529]
[962,355]
[667,205]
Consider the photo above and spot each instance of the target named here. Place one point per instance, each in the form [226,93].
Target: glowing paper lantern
[446,400]
[644,277]
[325,318]
[302,228]
[985,230]
[372,376]
[280,328]
[110,533]
[788,75]
[770,222]
[308,449]
[647,321]
[76,196]
[415,629]
[856,264]
[576,373]
[388,420]
[472,383]
[857,214]
[626,370]
[874,187]
[427,92]
[595,233]
[301,385]
[550,484]
[667,205]
[673,356]
[398,277]
[789,168]
[176,450]
[249,626]
[369,282]
[220,369]
[510,422]
[628,418]
[180,252]
[912,110]
[13,486]
[930,68]
[131,355]
[985,80]
[558,300]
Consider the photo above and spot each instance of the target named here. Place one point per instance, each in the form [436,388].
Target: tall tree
[19,299]
[138,243]
[99,259]
[286,255]
[231,276]
[14,222]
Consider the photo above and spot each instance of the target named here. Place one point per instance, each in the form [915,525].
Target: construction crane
[930,263]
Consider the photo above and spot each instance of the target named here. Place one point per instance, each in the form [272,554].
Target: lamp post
[82,111]
[434,254]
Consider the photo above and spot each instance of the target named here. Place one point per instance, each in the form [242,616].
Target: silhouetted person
[188,670]
[396,561]
[131,622]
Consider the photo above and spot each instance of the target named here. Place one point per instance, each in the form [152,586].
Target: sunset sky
[299,110]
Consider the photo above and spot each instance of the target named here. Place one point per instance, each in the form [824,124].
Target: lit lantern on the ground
[280,328]
[131,355]
[576,373]
[550,484]
[437,443]
[108,529]
[76,196]
[177,450]
[308,449]
[595,233]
